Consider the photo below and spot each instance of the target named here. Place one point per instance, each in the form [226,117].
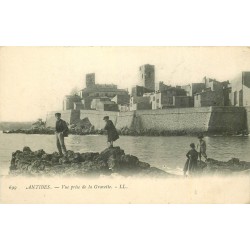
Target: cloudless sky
[34,80]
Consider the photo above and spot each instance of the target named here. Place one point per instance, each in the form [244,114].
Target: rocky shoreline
[110,162]
[124,131]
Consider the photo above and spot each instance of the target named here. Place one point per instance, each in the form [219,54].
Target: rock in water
[111,161]
[108,162]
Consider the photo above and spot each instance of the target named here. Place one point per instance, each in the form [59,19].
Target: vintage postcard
[125,125]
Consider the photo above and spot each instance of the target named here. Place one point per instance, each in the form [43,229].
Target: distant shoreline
[122,132]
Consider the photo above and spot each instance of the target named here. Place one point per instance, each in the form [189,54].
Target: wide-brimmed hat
[192,145]
[105,117]
[200,136]
[57,114]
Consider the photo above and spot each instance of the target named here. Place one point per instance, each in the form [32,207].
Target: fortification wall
[70,116]
[227,119]
[191,120]
[96,117]
[182,119]
[125,119]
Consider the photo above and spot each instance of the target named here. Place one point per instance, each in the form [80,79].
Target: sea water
[167,153]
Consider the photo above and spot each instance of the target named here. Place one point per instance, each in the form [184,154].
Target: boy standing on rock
[61,132]
[202,147]
[111,131]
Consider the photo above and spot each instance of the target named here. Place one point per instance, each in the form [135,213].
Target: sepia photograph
[125,124]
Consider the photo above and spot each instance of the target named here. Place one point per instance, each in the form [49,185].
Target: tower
[147,76]
[90,80]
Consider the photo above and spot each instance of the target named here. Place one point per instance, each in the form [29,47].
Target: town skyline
[34,80]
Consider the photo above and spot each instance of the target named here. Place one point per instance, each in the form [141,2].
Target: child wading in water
[191,165]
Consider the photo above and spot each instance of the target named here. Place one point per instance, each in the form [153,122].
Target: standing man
[111,131]
[202,147]
[61,132]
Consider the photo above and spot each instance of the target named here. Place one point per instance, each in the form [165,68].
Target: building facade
[140,103]
[194,88]
[240,94]
[208,98]
[139,91]
[165,99]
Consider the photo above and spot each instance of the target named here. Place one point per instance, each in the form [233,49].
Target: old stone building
[121,99]
[140,103]
[194,88]
[102,90]
[147,76]
[166,98]
[95,101]
[90,80]
[70,100]
[139,91]
[106,106]
[215,85]
[240,95]
[160,86]
[92,92]
[208,98]
[183,101]
[215,93]
[123,102]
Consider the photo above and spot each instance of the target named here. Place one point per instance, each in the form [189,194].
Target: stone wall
[227,119]
[126,119]
[96,117]
[190,120]
[182,119]
[70,116]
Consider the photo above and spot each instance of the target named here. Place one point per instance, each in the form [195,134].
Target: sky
[34,80]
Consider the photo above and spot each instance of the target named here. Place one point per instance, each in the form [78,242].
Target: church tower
[147,76]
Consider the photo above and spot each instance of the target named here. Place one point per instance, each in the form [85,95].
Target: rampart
[190,120]
[70,116]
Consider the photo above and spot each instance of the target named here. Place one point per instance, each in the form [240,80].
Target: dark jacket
[111,131]
[61,126]
[192,162]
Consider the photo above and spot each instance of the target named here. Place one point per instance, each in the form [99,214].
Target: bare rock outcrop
[109,161]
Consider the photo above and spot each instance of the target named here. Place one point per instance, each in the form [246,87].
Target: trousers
[202,154]
[60,143]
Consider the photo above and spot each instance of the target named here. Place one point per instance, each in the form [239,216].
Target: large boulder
[109,161]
